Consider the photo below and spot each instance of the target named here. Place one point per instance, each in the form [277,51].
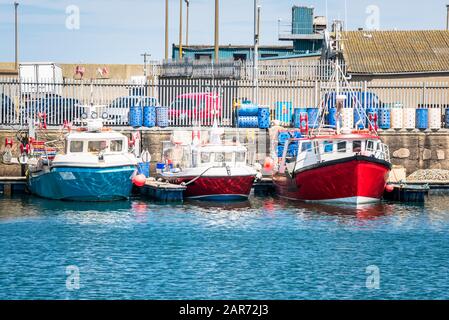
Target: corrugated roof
[395,52]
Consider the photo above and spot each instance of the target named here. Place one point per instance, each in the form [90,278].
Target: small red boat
[217,172]
[347,168]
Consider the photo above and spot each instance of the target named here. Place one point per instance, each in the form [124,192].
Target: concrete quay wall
[411,149]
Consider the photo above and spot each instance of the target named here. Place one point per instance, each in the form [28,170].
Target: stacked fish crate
[282,137]
[252,116]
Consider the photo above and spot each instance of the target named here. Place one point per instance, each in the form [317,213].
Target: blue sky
[118,31]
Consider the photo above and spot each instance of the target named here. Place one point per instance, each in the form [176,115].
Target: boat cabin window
[306,146]
[341,146]
[219,156]
[370,145]
[96,146]
[357,146]
[76,146]
[116,146]
[315,147]
[205,157]
[328,146]
[240,157]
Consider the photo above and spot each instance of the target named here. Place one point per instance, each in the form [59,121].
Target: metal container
[263,116]
[297,116]
[422,118]
[149,116]
[313,114]
[384,118]
[446,118]
[247,110]
[331,117]
[347,118]
[435,118]
[409,118]
[284,112]
[248,122]
[135,116]
[162,117]
[397,117]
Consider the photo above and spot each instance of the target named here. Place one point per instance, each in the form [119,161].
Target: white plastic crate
[434,118]
[409,115]
[397,118]
[347,116]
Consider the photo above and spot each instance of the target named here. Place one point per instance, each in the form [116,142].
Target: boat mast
[339,99]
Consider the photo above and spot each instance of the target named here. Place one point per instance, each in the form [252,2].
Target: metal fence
[197,101]
[281,69]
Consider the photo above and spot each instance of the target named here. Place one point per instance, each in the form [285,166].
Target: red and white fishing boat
[334,165]
[216,172]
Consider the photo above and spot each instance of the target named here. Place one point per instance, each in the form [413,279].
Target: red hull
[233,187]
[356,179]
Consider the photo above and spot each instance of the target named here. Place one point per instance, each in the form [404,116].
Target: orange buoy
[139,180]
[268,164]
[389,188]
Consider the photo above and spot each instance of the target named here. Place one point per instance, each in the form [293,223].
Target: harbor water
[260,249]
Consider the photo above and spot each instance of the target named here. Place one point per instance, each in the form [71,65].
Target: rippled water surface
[261,249]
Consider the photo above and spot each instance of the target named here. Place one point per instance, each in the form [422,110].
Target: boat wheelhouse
[96,166]
[215,172]
[346,168]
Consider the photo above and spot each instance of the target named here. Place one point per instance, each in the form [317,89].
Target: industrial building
[231,52]
[400,55]
[306,31]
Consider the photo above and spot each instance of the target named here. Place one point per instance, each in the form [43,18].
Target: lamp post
[256,50]
[166,29]
[180,29]
[16,35]
[216,49]
[187,22]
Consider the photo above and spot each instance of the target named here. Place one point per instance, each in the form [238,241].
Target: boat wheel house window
[219,157]
[96,146]
[76,146]
[205,157]
[357,146]
[240,156]
[306,146]
[341,146]
[116,145]
[328,146]
[370,145]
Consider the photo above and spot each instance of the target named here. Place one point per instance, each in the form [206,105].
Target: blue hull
[83,184]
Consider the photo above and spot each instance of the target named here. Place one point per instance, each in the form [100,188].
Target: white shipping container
[40,77]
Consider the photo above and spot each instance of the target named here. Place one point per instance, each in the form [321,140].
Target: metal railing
[199,101]
[281,69]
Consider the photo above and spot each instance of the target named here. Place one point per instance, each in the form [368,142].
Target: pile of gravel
[429,175]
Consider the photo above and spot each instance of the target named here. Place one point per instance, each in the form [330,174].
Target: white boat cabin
[218,155]
[333,147]
[209,156]
[108,142]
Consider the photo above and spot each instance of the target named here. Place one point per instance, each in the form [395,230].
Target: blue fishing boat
[96,166]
